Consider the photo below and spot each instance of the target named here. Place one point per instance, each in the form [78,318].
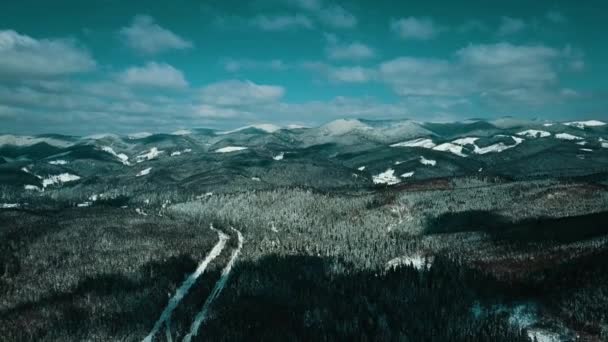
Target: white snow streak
[386,177]
[219,286]
[533,133]
[428,162]
[279,156]
[187,284]
[229,149]
[144,172]
[566,136]
[583,124]
[422,142]
[121,156]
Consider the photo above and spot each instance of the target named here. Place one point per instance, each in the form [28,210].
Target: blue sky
[81,67]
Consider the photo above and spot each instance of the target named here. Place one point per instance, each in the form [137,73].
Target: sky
[83,67]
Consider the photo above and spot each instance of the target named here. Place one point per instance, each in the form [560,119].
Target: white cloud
[236,65]
[555,17]
[352,51]
[25,57]
[240,93]
[415,28]
[337,17]
[282,22]
[154,74]
[354,74]
[145,36]
[510,25]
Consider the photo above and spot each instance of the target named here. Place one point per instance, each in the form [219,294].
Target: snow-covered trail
[165,316]
[219,286]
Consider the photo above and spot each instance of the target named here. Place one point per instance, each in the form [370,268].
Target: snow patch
[229,149]
[140,135]
[428,162]
[343,126]
[449,147]
[533,133]
[407,174]
[421,142]
[387,177]
[268,128]
[179,153]
[121,156]
[361,168]
[9,205]
[417,261]
[256,179]
[583,124]
[279,156]
[59,179]
[30,187]
[58,162]
[153,153]
[586,150]
[497,148]
[567,136]
[465,141]
[144,172]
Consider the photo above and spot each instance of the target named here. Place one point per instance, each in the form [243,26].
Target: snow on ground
[583,124]
[26,170]
[58,162]
[152,154]
[59,179]
[548,124]
[9,205]
[361,168]
[219,286]
[407,174]
[268,128]
[582,143]
[422,142]
[586,150]
[185,287]
[533,133]
[121,156]
[417,261]
[84,204]
[428,162]
[452,148]
[567,136]
[256,179]
[497,148]
[465,141]
[32,187]
[140,212]
[603,142]
[144,172]
[229,149]
[182,132]
[386,177]
[179,153]
[279,156]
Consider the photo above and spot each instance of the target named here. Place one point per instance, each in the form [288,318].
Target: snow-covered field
[229,149]
[387,177]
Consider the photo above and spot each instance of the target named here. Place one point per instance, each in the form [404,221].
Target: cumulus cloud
[145,36]
[354,74]
[352,51]
[239,64]
[282,22]
[154,74]
[240,93]
[22,56]
[510,25]
[415,28]
[337,17]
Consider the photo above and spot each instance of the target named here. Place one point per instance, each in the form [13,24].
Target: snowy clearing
[567,136]
[417,261]
[9,205]
[30,187]
[229,149]
[422,142]
[428,162]
[256,179]
[361,168]
[144,172]
[465,141]
[387,177]
[407,174]
[268,128]
[123,158]
[58,162]
[452,148]
[187,284]
[59,179]
[533,133]
[279,156]
[583,124]
[179,153]
[152,154]
[497,148]
[219,286]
